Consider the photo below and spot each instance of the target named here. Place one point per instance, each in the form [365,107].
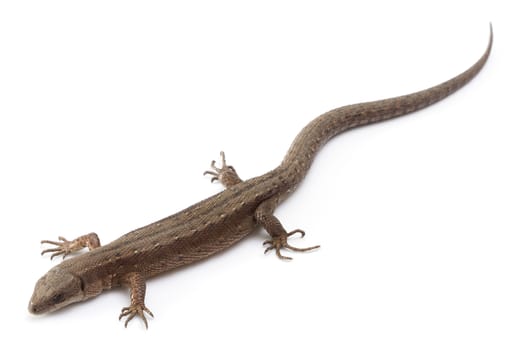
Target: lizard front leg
[137,286]
[65,247]
[279,237]
[226,174]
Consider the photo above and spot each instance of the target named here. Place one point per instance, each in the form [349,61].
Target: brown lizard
[215,223]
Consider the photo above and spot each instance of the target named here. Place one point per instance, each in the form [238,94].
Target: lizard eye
[57,298]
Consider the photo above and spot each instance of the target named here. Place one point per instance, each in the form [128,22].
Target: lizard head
[54,290]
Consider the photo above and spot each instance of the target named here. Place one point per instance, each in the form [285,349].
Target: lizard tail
[314,135]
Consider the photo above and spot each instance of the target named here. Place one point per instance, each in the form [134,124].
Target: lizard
[217,222]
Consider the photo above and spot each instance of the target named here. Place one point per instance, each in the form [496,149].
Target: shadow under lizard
[218,222]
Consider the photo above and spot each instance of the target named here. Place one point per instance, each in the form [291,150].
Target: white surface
[110,112]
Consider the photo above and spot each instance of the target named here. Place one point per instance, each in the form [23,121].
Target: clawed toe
[215,173]
[280,242]
[131,311]
[226,174]
[63,247]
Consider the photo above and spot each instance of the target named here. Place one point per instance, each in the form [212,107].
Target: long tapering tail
[314,135]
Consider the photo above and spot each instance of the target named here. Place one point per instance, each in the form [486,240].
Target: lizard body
[218,222]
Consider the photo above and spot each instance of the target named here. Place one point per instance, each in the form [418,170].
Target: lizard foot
[226,174]
[65,247]
[281,241]
[131,311]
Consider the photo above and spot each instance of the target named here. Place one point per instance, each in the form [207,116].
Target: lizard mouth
[37,308]
[34,308]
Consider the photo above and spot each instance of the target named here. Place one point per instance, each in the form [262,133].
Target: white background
[111,110]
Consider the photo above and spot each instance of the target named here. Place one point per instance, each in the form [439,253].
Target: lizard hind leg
[279,237]
[226,174]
